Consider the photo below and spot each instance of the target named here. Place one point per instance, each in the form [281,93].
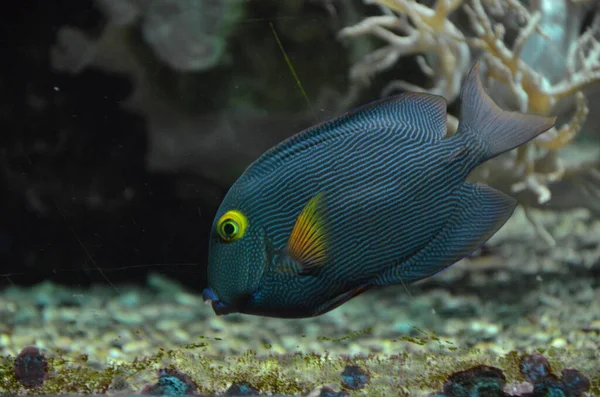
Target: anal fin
[480,212]
[341,299]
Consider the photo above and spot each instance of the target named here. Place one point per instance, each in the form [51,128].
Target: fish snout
[220,308]
[208,295]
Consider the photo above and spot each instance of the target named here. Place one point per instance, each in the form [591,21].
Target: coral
[477,381]
[354,377]
[532,92]
[31,367]
[199,27]
[187,35]
[489,381]
[171,383]
[575,381]
[536,370]
[241,389]
[525,83]
[425,31]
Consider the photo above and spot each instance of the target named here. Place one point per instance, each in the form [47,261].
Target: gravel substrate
[518,294]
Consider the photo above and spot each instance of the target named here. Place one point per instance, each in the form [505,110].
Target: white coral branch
[429,32]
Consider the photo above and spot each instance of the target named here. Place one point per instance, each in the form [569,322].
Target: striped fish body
[374,197]
[380,210]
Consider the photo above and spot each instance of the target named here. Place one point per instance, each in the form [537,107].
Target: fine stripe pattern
[374,171]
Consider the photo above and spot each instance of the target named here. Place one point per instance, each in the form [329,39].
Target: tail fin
[500,130]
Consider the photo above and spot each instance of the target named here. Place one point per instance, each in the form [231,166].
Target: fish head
[237,257]
[240,275]
[270,269]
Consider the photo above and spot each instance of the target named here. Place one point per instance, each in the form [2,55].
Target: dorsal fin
[419,116]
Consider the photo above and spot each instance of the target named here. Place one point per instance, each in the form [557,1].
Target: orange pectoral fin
[307,245]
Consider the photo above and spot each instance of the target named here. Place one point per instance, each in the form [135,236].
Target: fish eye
[232,226]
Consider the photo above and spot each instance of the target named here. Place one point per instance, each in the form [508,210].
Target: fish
[372,198]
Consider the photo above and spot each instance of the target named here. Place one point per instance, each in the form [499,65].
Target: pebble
[180,336]
[128,317]
[137,346]
[166,325]
[188,299]
[216,324]
[25,315]
[115,353]
[402,327]
[277,349]
[355,349]
[541,337]
[130,299]
[595,324]
[486,330]
[5,340]
[151,312]
[289,342]
[63,342]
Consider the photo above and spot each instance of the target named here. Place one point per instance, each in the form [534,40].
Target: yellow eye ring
[232,225]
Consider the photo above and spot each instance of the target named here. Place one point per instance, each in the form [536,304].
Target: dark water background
[78,203]
[63,142]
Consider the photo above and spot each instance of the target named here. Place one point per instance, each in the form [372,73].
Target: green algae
[414,371]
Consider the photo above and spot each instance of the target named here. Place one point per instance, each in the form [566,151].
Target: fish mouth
[220,308]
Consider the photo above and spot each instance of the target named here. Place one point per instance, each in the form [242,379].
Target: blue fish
[372,198]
